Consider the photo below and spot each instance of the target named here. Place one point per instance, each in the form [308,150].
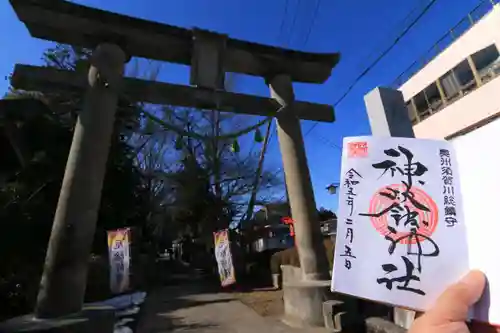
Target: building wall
[480,104]
[472,108]
[478,160]
[482,34]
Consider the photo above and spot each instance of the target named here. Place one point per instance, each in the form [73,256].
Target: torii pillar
[79,200]
[308,239]
[303,299]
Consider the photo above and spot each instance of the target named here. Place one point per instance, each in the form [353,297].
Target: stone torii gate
[115,38]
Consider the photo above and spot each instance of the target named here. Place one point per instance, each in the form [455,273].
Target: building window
[423,109]
[465,77]
[450,86]
[433,97]
[487,62]
[456,83]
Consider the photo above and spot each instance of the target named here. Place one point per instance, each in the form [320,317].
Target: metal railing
[476,14]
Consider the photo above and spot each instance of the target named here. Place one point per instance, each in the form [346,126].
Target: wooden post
[64,278]
[388,116]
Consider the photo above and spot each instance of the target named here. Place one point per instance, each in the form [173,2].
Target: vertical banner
[119,259]
[223,257]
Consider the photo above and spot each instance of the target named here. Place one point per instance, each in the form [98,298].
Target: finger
[454,303]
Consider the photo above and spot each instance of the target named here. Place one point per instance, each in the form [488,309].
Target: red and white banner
[119,259]
[224,259]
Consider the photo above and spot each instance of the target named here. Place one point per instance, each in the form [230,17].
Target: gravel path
[194,308]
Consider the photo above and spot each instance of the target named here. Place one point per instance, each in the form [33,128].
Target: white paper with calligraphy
[401,236]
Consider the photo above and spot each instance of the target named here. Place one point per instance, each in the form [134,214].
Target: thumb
[453,305]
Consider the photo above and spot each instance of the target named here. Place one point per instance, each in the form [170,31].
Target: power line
[311,129]
[373,64]
[324,141]
[293,22]
[308,33]
[283,19]
[383,54]
[400,23]
[377,60]
[316,9]
[380,57]
[313,20]
[279,37]
[328,142]
[280,33]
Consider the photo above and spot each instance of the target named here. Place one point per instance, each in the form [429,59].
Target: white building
[454,94]
[458,90]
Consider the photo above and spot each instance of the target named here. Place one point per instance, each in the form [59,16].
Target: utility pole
[258,174]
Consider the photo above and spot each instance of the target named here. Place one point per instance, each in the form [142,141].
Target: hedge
[290,257]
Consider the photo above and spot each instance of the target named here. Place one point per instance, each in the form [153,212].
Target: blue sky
[359,30]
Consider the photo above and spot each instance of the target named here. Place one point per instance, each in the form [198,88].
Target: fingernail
[474,278]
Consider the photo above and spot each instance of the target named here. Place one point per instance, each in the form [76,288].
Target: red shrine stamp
[357,149]
[427,220]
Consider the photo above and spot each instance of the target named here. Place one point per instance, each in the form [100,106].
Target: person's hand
[449,314]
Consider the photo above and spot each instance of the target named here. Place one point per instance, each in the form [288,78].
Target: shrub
[291,257]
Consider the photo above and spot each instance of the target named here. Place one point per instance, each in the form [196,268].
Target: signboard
[119,259]
[223,257]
